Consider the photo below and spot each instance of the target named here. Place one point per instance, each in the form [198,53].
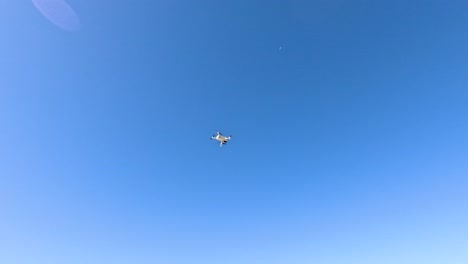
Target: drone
[222,139]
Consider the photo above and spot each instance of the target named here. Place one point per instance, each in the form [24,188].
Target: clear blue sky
[349,142]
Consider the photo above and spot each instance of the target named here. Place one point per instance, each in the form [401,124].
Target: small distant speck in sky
[280,48]
[59,13]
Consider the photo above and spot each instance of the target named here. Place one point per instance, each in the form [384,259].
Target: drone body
[222,139]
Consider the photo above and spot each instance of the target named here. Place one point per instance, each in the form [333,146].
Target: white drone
[222,139]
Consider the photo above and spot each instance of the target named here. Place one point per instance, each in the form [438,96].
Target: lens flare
[59,13]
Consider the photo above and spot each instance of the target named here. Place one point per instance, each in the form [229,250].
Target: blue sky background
[349,143]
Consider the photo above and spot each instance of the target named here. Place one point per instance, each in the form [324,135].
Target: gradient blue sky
[349,143]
